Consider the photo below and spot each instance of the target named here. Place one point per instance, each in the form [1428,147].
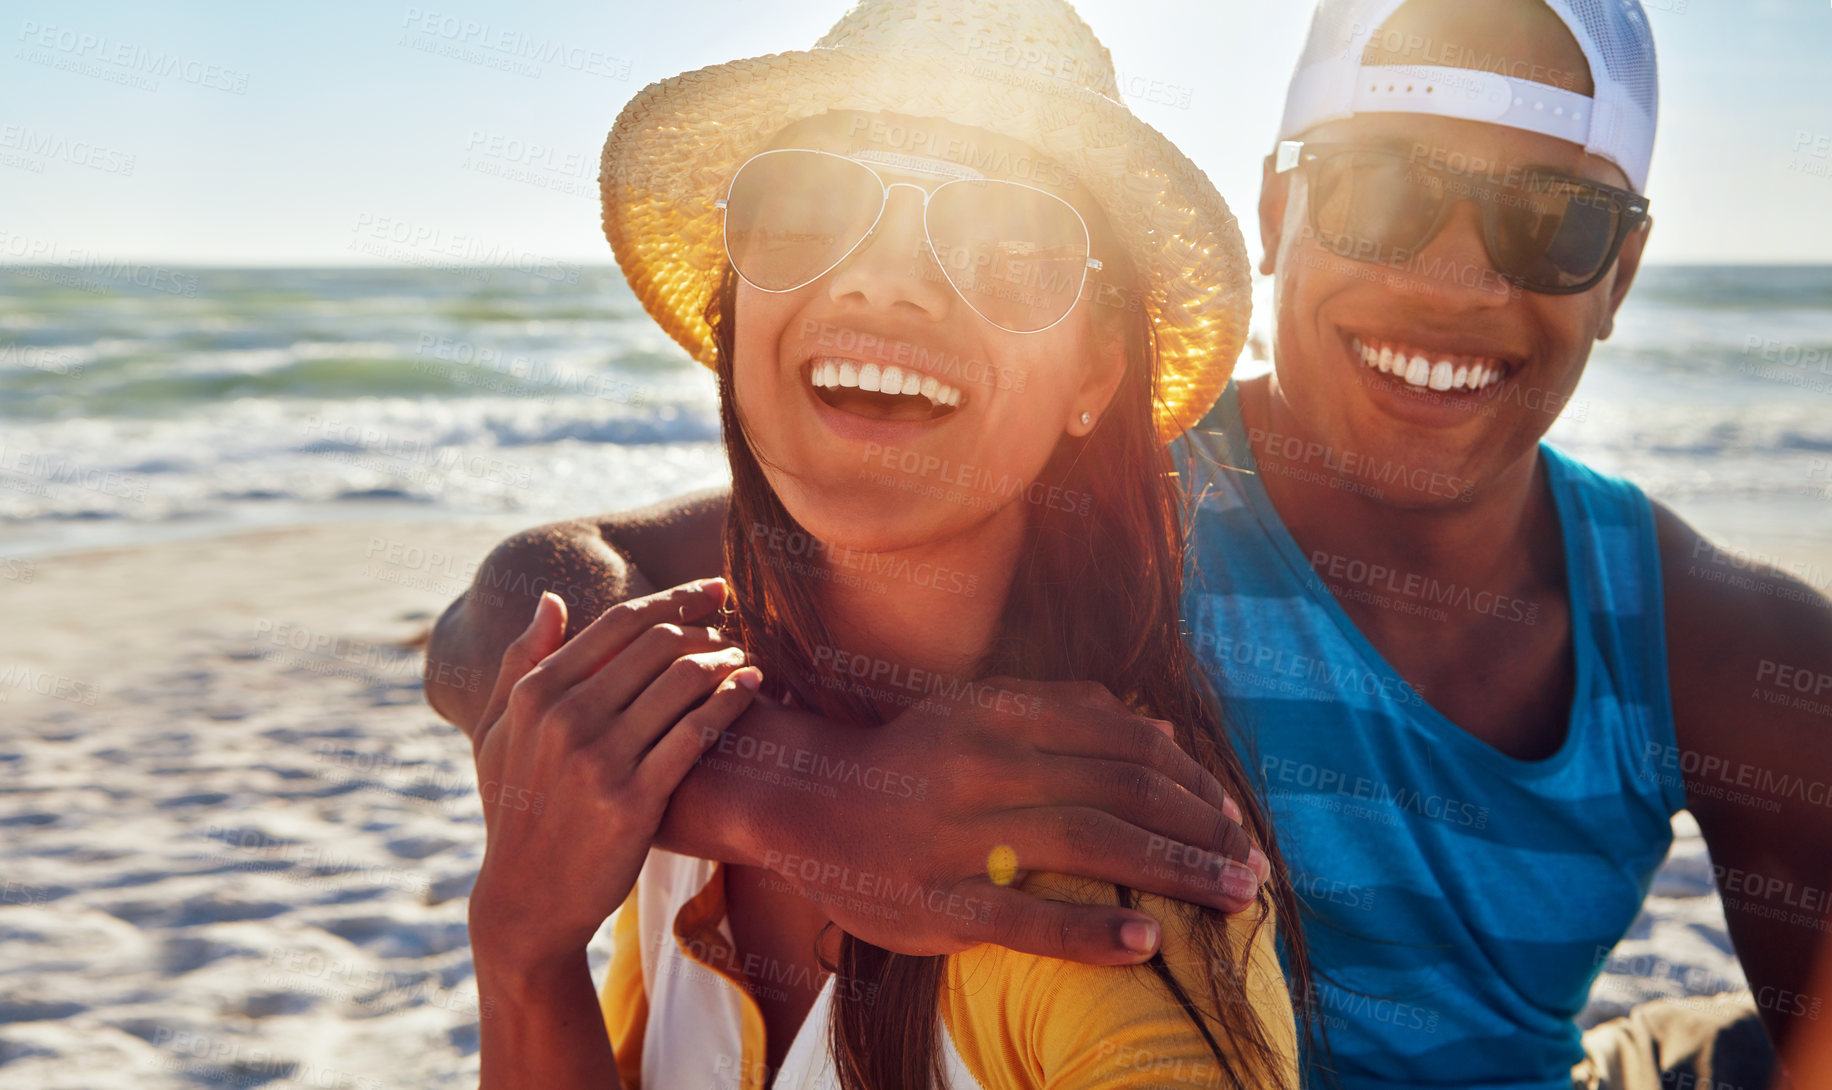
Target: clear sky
[274,134]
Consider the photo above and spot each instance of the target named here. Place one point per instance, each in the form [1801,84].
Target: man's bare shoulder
[1737,626]
[672,542]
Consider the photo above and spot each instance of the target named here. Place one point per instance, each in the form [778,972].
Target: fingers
[1124,736]
[624,622]
[544,635]
[1140,796]
[682,685]
[1092,843]
[665,766]
[620,681]
[1091,934]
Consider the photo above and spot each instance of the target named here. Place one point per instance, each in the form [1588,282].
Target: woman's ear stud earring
[1086,418]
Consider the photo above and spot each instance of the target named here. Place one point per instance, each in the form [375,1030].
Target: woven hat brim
[677,143]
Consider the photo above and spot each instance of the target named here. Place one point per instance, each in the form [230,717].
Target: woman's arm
[541,1026]
[576,765]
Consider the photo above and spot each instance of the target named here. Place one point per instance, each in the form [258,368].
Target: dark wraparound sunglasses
[1544,231]
[1017,255]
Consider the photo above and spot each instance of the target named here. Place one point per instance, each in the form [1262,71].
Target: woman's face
[887,471]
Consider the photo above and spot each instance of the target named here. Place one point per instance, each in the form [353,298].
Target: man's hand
[910,834]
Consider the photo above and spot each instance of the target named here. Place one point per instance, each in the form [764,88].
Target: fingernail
[1139,936]
[1239,882]
[1259,864]
[1232,809]
[750,679]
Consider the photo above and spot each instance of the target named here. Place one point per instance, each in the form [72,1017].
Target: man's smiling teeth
[826,373]
[1447,373]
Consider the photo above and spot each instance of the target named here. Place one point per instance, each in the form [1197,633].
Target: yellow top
[1010,1020]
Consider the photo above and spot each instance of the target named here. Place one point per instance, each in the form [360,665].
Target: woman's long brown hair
[1097,596]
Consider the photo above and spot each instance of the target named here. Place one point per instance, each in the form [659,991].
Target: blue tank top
[1460,902]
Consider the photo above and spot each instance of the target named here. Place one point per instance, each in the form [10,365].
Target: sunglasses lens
[792,215]
[1373,206]
[1017,255]
[1552,234]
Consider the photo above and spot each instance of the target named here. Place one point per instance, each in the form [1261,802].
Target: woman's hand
[578,752]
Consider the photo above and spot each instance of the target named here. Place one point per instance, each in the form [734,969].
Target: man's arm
[590,563]
[1084,788]
[1749,652]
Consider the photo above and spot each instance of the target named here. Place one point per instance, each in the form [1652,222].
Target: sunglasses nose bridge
[899,223]
[890,266]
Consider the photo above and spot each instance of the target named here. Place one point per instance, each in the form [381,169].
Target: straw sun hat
[1026,69]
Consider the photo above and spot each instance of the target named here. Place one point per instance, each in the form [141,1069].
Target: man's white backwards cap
[1332,83]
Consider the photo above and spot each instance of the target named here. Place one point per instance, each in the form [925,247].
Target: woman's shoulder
[1062,1023]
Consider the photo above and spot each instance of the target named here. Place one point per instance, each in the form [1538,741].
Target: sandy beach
[238,844]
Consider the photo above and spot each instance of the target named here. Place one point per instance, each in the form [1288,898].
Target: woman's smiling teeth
[1419,367]
[893,384]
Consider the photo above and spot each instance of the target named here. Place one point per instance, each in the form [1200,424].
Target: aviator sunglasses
[1017,255]
[1544,231]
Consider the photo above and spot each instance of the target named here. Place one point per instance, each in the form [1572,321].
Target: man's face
[1444,302]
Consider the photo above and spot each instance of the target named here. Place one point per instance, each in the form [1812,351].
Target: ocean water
[140,407]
